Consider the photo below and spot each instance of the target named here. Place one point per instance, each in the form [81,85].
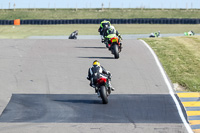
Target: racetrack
[51,93]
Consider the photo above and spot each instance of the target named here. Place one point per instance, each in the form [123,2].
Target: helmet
[105,23]
[96,63]
[111,30]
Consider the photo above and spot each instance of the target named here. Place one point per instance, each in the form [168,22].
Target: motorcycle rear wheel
[103,94]
[116,51]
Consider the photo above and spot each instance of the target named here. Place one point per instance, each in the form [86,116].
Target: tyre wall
[98,21]
[6,22]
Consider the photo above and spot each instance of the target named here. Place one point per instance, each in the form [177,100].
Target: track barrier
[98,21]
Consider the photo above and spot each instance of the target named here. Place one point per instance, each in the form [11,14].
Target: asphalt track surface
[44,89]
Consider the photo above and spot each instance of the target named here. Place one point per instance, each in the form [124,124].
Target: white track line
[170,88]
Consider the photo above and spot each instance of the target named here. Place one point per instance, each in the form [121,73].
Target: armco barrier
[6,22]
[98,21]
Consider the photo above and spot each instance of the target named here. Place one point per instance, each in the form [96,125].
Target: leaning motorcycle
[190,33]
[114,45]
[102,88]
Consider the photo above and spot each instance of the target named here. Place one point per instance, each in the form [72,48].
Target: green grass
[180,58]
[96,13]
[24,31]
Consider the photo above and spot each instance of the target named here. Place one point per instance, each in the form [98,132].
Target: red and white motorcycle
[102,88]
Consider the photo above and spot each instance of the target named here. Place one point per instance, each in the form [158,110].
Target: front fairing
[111,36]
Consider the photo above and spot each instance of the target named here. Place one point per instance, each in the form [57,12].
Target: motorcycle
[102,88]
[190,33]
[156,34]
[114,45]
[73,35]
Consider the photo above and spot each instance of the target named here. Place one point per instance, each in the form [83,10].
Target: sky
[185,4]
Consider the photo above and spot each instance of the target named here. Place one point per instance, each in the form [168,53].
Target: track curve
[50,92]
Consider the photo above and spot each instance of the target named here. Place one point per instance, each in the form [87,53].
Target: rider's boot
[112,89]
[98,93]
[96,89]
[110,86]
[102,39]
[92,84]
[120,46]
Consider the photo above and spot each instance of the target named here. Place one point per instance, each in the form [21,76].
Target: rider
[111,30]
[102,28]
[97,68]
[73,35]
[157,34]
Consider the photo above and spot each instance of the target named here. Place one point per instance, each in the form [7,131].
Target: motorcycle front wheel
[103,94]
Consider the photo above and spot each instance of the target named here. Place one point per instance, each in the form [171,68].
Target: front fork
[108,87]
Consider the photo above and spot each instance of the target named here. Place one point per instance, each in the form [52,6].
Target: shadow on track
[81,101]
[93,47]
[87,108]
[98,57]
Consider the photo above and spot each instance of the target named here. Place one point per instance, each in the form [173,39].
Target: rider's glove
[109,74]
[120,36]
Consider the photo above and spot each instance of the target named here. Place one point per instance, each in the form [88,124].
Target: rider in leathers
[111,30]
[104,24]
[97,68]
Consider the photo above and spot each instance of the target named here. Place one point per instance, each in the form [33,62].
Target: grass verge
[97,13]
[24,31]
[180,58]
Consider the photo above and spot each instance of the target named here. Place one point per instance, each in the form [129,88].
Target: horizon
[81,4]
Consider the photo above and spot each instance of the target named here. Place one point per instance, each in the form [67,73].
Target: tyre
[116,51]
[103,94]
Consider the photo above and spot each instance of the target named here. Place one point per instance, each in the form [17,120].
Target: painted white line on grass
[170,88]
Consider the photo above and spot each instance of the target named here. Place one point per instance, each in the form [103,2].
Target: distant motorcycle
[156,34]
[114,45]
[73,35]
[190,33]
[102,88]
